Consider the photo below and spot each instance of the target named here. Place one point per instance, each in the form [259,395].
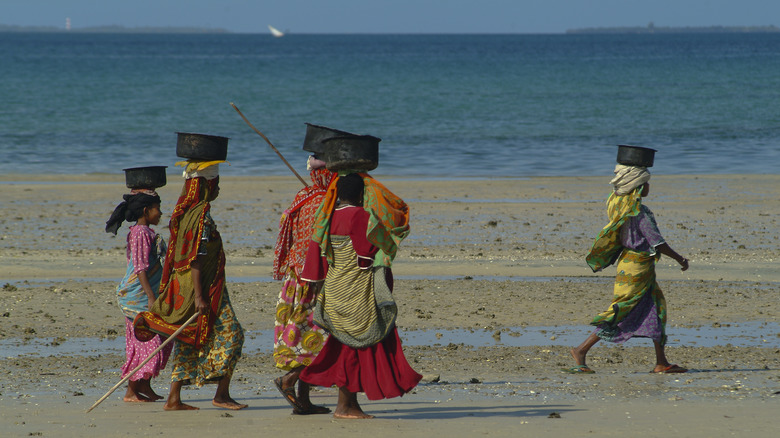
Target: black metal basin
[316,135]
[358,152]
[201,146]
[635,156]
[150,177]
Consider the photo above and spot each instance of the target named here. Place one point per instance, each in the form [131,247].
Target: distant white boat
[275,32]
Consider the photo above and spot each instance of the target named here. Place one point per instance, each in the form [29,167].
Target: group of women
[335,317]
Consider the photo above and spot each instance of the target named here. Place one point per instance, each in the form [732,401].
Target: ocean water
[444,105]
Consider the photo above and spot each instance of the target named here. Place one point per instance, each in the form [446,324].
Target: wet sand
[488,255]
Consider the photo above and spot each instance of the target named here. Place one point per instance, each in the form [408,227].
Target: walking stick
[127,377]
[269,143]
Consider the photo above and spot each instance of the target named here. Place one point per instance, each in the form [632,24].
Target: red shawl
[296,225]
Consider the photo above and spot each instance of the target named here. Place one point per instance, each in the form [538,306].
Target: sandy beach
[492,290]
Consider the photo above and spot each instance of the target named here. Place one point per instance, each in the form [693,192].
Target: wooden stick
[269,143]
[127,377]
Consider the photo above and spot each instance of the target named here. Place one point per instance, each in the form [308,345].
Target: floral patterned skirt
[296,339]
[216,359]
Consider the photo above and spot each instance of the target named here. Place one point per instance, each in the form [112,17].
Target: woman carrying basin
[632,239]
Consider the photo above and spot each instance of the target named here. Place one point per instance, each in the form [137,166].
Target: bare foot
[133,395]
[179,407]
[668,369]
[352,414]
[229,404]
[153,396]
[579,358]
[145,388]
[136,398]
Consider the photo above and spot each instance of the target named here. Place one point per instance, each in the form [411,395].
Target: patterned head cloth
[197,169]
[627,178]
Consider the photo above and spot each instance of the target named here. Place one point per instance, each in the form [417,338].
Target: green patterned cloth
[388,222]
[607,247]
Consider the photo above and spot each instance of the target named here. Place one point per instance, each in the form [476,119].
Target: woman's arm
[143,278]
[364,249]
[201,300]
[667,250]
[315,267]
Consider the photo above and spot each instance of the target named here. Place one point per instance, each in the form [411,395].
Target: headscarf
[627,178]
[388,220]
[295,227]
[132,208]
[196,168]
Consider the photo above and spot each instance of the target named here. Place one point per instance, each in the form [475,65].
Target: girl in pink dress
[140,287]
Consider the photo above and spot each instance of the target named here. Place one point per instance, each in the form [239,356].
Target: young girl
[140,287]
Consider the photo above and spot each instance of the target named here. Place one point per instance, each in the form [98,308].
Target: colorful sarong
[218,356]
[297,340]
[634,280]
[380,370]
[641,322]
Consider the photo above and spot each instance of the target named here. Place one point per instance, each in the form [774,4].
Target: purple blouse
[640,232]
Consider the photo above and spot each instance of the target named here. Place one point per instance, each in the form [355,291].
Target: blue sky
[391,16]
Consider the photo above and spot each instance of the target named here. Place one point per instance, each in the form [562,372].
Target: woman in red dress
[363,352]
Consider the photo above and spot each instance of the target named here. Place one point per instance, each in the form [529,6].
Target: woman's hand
[314,287]
[201,305]
[666,250]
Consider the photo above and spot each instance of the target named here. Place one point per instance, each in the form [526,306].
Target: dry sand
[501,257]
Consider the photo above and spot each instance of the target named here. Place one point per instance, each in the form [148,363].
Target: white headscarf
[209,172]
[627,178]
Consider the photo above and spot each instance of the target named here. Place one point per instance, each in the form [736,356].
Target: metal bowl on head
[149,177]
[201,146]
[316,135]
[635,156]
[358,152]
